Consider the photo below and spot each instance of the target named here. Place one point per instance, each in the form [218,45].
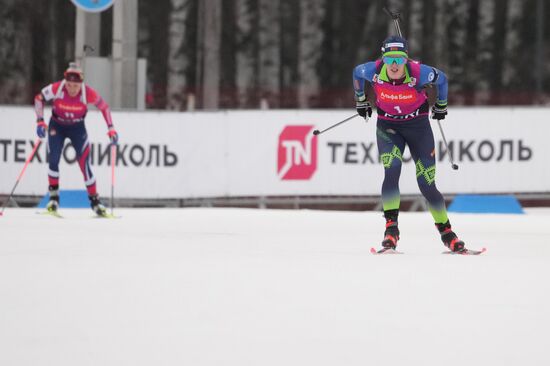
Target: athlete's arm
[39,106]
[431,75]
[46,94]
[96,99]
[362,73]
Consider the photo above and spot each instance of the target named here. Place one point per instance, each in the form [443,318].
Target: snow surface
[267,287]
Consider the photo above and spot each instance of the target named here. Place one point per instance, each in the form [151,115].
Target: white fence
[273,153]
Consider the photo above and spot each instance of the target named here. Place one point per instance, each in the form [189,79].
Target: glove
[41,128]
[363,107]
[439,111]
[113,136]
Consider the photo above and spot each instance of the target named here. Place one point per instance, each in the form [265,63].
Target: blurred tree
[288,53]
[228,89]
[455,48]
[530,71]
[210,30]
[269,52]
[470,61]
[428,43]
[309,51]
[178,59]
[415,28]
[53,70]
[485,50]
[153,38]
[16,52]
[290,20]
[246,16]
[512,51]
[498,52]
[374,23]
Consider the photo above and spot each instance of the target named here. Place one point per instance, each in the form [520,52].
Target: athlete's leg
[419,137]
[79,139]
[390,147]
[56,139]
[81,144]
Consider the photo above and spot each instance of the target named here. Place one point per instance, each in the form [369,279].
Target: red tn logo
[297,153]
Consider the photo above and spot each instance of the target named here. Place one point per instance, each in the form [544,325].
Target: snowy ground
[250,287]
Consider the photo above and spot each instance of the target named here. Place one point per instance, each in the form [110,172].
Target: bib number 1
[398,109]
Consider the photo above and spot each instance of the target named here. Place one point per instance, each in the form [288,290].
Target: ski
[106,216]
[51,213]
[384,251]
[466,252]
[57,215]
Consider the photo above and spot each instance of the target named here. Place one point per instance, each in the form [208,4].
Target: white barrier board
[268,153]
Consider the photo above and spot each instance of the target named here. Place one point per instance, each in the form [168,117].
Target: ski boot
[449,238]
[97,206]
[391,234]
[53,203]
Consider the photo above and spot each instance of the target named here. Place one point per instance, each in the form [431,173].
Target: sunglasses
[388,60]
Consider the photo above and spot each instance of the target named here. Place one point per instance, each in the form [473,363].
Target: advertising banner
[270,153]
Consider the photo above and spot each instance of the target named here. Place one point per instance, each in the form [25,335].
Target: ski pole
[113,163]
[449,151]
[36,145]
[317,132]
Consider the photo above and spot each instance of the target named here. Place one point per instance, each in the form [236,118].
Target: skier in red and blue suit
[402,107]
[70,98]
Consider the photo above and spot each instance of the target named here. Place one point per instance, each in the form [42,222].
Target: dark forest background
[292,53]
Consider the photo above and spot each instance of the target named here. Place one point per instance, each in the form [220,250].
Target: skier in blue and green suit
[402,107]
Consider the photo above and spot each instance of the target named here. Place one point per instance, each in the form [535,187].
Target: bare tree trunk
[228,86]
[178,61]
[471,72]
[269,50]
[499,36]
[155,17]
[246,52]
[15,53]
[513,42]
[439,28]
[212,54]
[428,34]
[456,45]
[370,48]
[485,49]
[290,18]
[199,53]
[415,29]
[53,71]
[311,37]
